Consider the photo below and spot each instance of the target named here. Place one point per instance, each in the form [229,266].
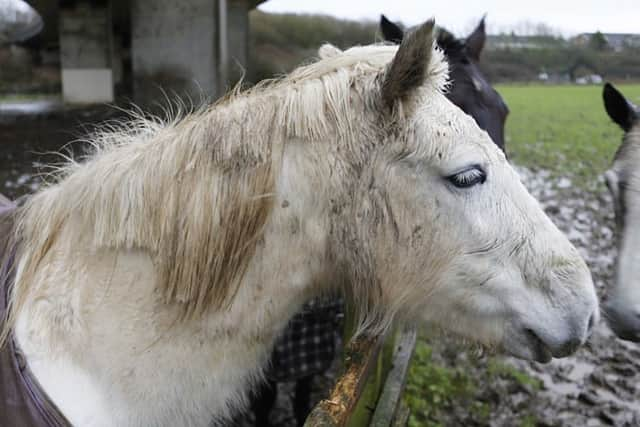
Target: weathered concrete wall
[85,52]
[238,39]
[179,47]
[174,49]
[196,49]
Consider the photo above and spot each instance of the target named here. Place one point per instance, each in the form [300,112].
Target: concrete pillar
[174,49]
[238,39]
[85,52]
[196,49]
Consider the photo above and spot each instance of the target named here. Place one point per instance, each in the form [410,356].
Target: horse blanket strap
[22,401]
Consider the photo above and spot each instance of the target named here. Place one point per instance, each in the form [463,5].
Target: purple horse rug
[22,401]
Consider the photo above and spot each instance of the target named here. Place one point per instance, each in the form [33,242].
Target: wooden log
[361,358]
[402,416]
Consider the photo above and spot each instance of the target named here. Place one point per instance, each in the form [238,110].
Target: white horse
[623,180]
[153,278]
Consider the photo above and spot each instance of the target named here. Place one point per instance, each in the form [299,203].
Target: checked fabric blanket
[307,346]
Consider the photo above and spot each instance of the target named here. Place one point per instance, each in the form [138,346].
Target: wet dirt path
[600,385]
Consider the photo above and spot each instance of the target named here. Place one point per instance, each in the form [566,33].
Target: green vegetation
[528,421]
[564,129]
[436,393]
[431,388]
[496,368]
[563,60]
[279,42]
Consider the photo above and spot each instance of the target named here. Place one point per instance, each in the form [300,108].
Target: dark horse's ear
[390,31]
[475,42]
[409,68]
[619,109]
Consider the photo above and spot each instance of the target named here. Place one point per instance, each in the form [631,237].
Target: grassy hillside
[279,42]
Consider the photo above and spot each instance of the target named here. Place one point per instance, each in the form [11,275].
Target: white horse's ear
[328,50]
[410,67]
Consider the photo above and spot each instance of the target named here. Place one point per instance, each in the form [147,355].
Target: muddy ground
[597,386]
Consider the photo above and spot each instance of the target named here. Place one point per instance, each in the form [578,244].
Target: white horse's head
[452,235]
[623,180]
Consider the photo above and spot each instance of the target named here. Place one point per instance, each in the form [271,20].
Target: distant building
[594,79]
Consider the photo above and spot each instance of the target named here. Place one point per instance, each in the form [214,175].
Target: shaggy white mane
[195,193]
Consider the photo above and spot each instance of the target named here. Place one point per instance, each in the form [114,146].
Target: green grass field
[562,128]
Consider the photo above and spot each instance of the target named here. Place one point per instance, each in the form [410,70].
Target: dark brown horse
[469,89]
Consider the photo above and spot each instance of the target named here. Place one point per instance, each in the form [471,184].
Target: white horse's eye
[468,177]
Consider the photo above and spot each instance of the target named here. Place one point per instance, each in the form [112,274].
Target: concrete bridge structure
[145,49]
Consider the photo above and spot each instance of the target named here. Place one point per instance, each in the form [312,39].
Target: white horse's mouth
[541,346]
[528,346]
[541,352]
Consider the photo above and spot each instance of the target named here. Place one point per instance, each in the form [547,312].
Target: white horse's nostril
[542,352]
[547,346]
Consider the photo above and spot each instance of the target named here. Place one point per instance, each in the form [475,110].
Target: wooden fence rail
[364,362]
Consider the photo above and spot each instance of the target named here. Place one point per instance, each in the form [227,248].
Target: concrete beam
[196,49]
[85,52]
[237,39]
[173,49]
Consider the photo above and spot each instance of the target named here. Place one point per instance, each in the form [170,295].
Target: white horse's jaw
[623,180]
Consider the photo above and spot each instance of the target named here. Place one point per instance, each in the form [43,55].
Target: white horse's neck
[114,359]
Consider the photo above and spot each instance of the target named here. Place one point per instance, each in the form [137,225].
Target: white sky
[567,16]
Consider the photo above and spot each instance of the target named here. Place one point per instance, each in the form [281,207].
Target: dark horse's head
[469,89]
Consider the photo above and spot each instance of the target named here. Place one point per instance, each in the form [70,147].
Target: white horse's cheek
[627,289]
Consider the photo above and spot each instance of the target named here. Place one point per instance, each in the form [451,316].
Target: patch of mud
[600,385]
